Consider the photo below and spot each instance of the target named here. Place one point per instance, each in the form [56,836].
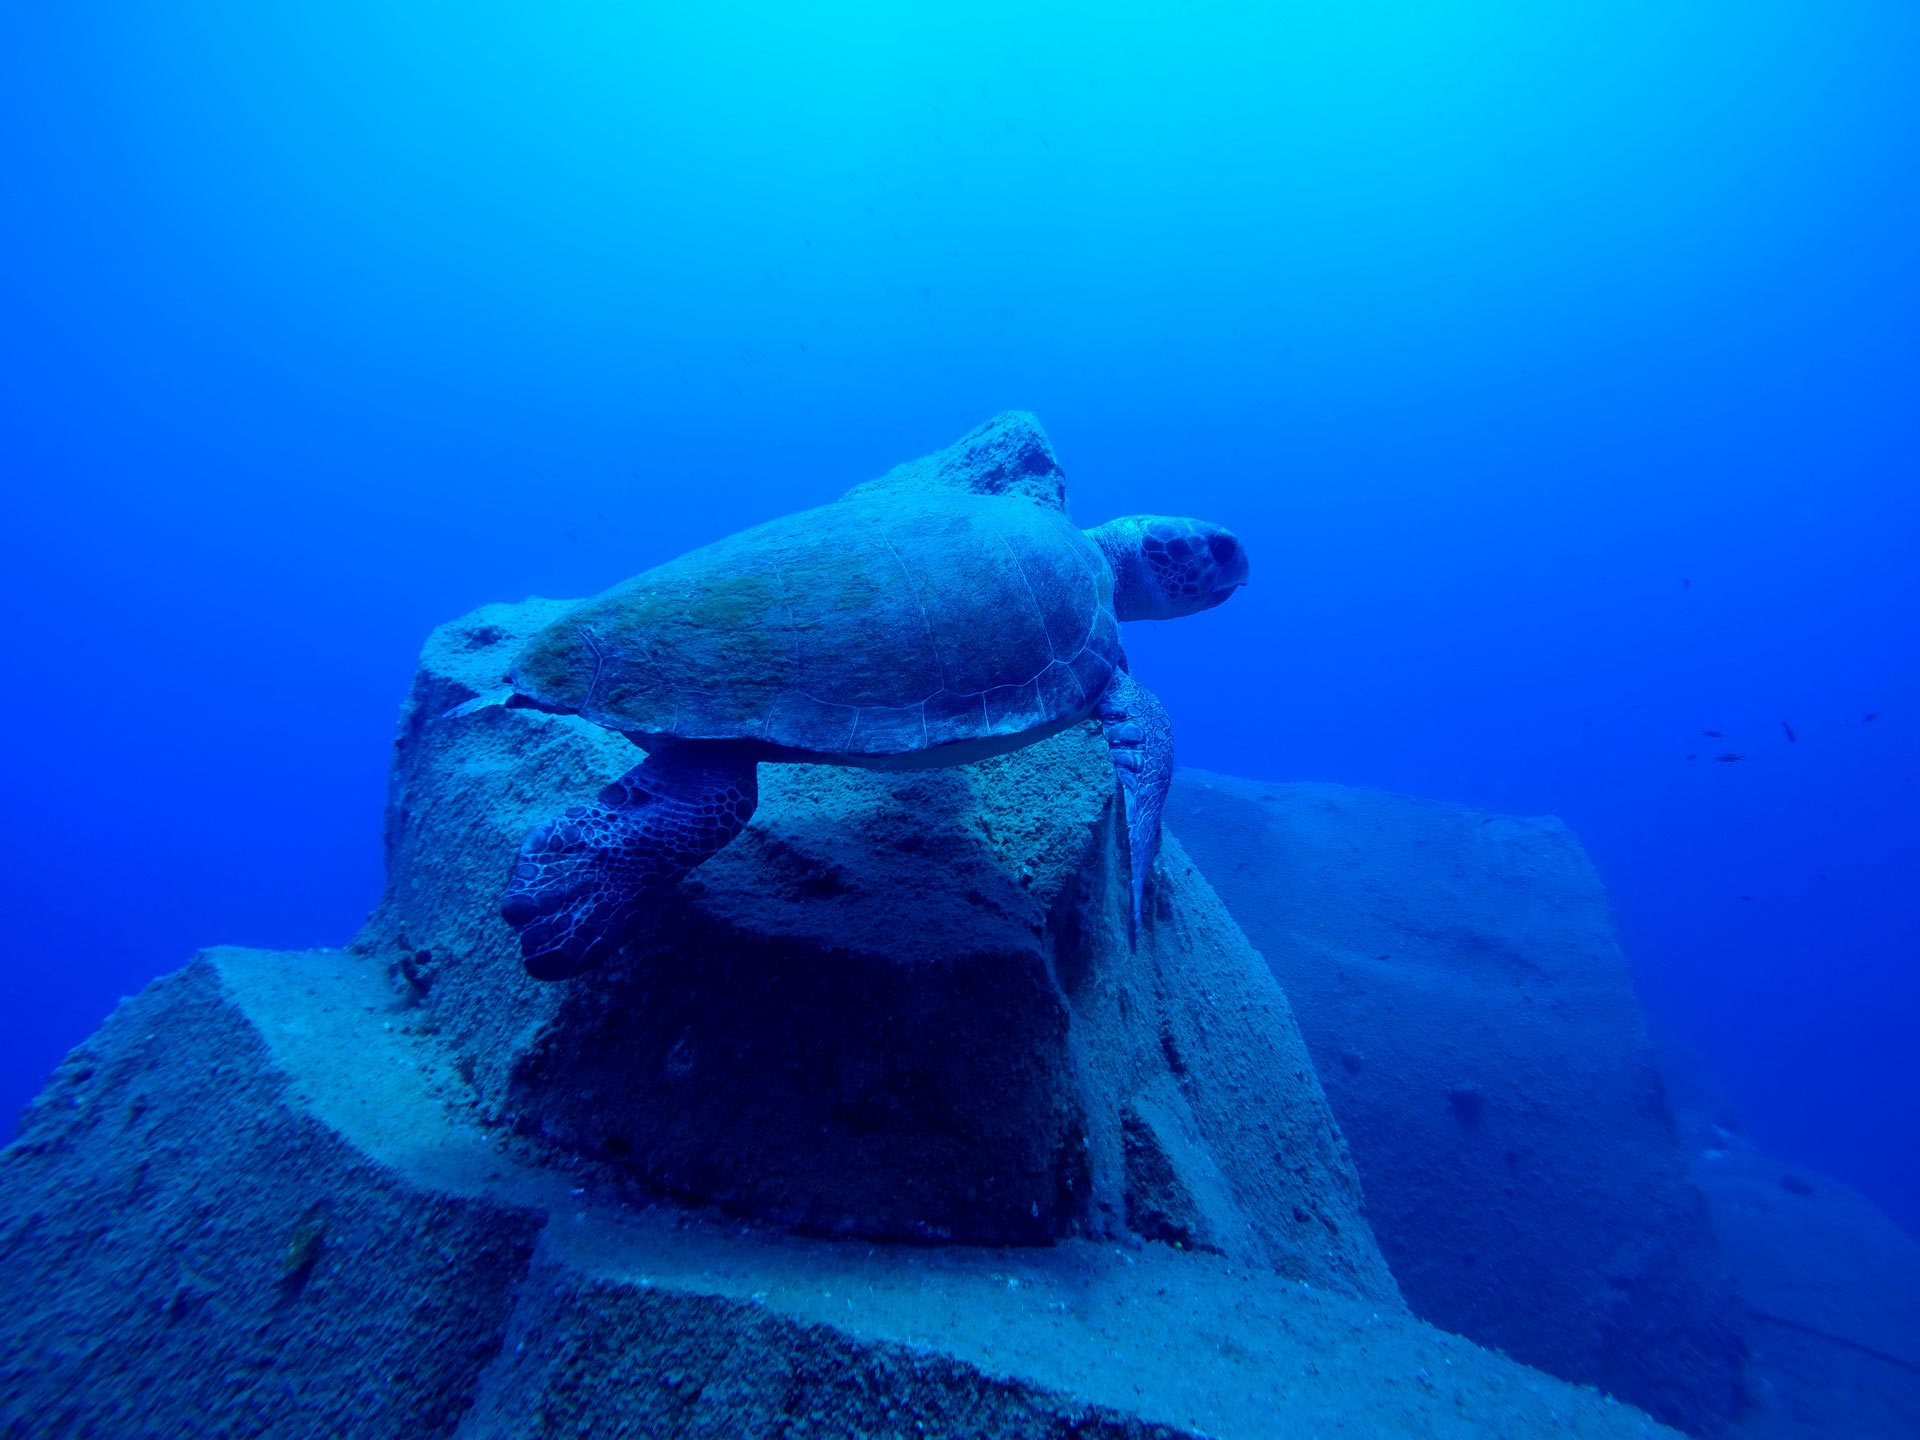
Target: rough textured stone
[899,1005]
[1010,455]
[1832,1291]
[163,1276]
[407,1191]
[1458,980]
[172,1220]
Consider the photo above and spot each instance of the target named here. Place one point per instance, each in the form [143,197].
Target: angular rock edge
[899,1005]
[1460,984]
[260,1201]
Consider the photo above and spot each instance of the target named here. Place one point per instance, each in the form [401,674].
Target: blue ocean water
[1557,364]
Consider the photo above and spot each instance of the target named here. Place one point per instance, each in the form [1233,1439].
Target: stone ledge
[159,1213]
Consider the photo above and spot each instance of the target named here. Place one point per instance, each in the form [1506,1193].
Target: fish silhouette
[1789,729]
[1729,758]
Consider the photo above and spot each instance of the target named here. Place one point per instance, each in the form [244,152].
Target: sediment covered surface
[881,1124]
[899,1005]
[1470,1012]
[1831,1288]
[263,1200]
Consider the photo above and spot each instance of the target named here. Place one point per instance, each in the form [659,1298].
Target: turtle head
[1164,565]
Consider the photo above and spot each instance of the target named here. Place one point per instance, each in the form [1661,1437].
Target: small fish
[1685,583]
[1693,757]
[1869,717]
[1791,737]
[1746,897]
[1714,734]
[1729,758]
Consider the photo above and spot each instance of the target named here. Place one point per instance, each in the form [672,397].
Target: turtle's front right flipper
[1140,740]
[581,878]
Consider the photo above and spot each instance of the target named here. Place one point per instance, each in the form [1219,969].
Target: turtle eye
[1224,547]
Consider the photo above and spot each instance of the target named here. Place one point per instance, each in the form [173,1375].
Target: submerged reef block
[1458,980]
[899,1005]
[1832,1292]
[461,1288]
[180,1234]
[1009,455]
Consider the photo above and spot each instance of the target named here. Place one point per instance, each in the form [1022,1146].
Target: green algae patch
[304,1244]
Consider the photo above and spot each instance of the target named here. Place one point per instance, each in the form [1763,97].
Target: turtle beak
[1234,569]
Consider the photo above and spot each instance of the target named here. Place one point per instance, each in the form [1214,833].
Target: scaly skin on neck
[1134,595]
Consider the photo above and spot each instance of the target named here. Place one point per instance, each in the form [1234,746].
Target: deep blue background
[1488,326]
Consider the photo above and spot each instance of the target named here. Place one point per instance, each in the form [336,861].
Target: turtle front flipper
[581,878]
[1140,740]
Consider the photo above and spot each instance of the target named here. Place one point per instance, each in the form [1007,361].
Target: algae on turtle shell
[909,626]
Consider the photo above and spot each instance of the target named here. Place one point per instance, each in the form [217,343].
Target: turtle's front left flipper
[581,878]
[1140,739]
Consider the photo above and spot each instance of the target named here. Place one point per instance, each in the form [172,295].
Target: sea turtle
[895,628]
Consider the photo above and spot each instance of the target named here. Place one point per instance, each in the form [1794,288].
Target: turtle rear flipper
[581,878]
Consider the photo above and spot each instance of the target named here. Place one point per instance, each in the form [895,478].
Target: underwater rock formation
[405,1190]
[262,1201]
[1458,980]
[900,1005]
[1831,1288]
